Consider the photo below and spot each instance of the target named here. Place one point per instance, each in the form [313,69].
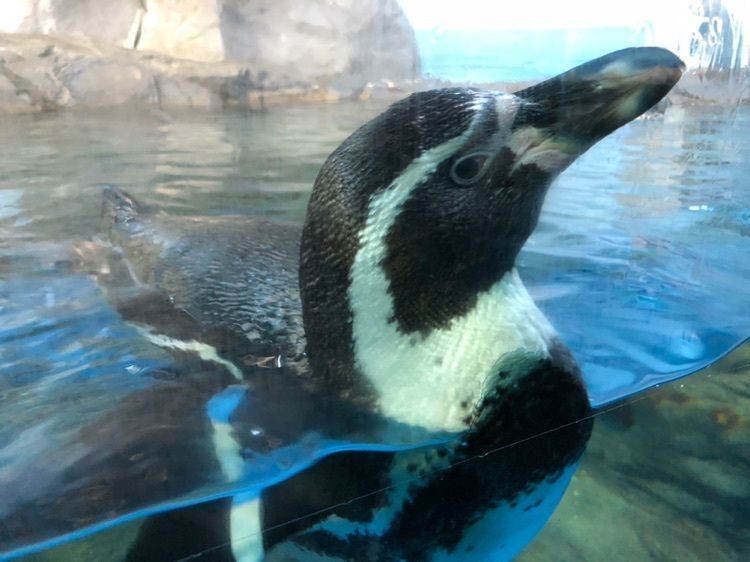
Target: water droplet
[687,344]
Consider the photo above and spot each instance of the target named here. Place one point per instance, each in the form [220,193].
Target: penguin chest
[436,380]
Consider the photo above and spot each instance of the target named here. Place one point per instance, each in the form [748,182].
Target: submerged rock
[190,53]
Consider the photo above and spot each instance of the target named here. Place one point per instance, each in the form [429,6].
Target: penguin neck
[437,379]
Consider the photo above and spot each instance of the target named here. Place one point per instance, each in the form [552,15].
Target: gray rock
[192,53]
[108,21]
[187,29]
[43,73]
[341,44]
[11,100]
[107,82]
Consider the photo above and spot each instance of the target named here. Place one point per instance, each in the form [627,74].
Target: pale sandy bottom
[664,478]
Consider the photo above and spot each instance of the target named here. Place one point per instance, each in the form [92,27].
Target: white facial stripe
[506,107]
[523,139]
[547,157]
[424,381]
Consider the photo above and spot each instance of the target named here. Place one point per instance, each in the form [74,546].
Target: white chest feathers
[435,381]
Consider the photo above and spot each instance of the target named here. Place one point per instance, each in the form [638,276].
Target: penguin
[411,307]
[397,307]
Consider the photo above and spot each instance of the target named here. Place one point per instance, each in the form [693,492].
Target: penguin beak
[562,117]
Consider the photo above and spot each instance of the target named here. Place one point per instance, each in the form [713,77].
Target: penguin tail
[118,207]
[123,218]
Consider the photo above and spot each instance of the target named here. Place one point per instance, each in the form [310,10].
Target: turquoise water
[640,261]
[487,56]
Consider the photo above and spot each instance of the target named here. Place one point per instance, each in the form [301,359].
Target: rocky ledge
[171,54]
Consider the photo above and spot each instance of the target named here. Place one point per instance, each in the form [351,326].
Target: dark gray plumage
[201,265]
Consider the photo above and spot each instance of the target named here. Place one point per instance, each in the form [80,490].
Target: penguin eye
[468,169]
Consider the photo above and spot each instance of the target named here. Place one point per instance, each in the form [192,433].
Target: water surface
[640,259]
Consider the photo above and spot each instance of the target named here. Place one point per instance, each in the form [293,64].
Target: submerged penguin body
[236,272]
[414,317]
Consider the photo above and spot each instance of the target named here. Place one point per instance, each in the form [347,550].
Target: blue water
[648,235]
[640,261]
[482,56]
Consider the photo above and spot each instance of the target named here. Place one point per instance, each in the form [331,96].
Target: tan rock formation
[189,29]
[249,49]
[108,21]
[43,73]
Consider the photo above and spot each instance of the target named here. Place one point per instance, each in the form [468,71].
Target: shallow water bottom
[665,477]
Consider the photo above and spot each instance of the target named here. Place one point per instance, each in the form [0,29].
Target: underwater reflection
[522,482]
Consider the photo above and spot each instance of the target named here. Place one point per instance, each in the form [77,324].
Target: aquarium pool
[640,259]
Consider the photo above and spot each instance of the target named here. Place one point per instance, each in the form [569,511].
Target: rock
[43,73]
[174,93]
[11,100]
[108,82]
[195,53]
[341,43]
[110,21]
[33,85]
[189,29]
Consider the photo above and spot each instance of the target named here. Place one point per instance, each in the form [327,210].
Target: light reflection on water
[647,229]
[639,260]
[257,163]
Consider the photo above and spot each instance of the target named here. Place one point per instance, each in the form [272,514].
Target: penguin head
[436,196]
